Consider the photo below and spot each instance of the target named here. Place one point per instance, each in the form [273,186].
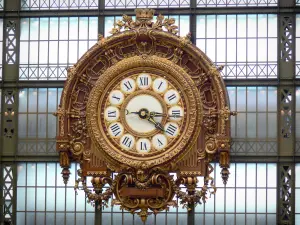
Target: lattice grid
[11,43]
[245,44]
[8,194]
[37,124]
[182,21]
[58,4]
[48,46]
[236,3]
[146,3]
[43,198]
[254,129]
[297,42]
[286,112]
[287,29]
[297,120]
[286,206]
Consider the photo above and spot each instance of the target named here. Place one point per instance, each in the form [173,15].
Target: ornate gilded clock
[144,103]
[145,114]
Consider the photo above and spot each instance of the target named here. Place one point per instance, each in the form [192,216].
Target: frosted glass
[24,29]
[63,28]
[220,219]
[271,200]
[232,53]
[20,199]
[241,125]
[83,28]
[44,28]
[262,125]
[252,51]
[250,219]
[250,201]
[43,52]
[231,26]
[34,52]
[262,50]
[211,49]
[261,175]
[31,174]
[220,198]
[261,200]
[251,24]
[184,26]
[242,50]
[221,50]
[262,25]
[42,126]
[53,34]
[221,26]
[40,199]
[34,28]
[241,25]
[211,26]
[23,52]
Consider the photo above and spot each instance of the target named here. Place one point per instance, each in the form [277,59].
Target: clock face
[143,113]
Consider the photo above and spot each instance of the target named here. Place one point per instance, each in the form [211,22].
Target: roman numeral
[160,85]
[144,81]
[175,113]
[160,143]
[171,97]
[128,85]
[171,130]
[127,142]
[143,146]
[112,113]
[116,97]
[115,129]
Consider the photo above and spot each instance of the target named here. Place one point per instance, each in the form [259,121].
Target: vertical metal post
[9,123]
[286,115]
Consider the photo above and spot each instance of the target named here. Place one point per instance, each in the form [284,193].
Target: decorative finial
[144,14]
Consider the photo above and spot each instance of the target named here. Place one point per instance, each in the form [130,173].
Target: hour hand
[127,112]
[157,124]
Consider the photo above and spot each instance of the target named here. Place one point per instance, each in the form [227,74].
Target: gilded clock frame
[144,43]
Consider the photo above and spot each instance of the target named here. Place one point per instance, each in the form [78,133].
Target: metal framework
[281,148]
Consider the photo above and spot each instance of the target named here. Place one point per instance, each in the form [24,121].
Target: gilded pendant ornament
[149,106]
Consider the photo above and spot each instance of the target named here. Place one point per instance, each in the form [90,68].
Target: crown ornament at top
[144,14]
[144,19]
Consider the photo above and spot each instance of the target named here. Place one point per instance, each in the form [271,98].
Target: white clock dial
[175,113]
[128,85]
[159,141]
[172,97]
[115,129]
[143,145]
[144,81]
[160,85]
[127,141]
[171,129]
[111,113]
[116,97]
[143,101]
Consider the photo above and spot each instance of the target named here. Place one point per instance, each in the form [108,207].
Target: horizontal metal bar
[33,84]
[165,11]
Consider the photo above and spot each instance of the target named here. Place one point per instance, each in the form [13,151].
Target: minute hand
[157,125]
[155,114]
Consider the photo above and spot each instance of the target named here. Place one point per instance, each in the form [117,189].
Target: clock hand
[127,112]
[156,114]
[157,124]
